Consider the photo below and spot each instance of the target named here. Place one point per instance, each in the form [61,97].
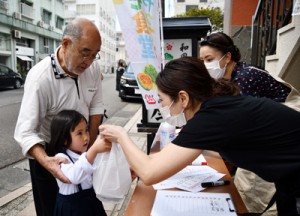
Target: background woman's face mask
[178,120]
[214,69]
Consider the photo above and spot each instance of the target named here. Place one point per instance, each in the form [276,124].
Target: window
[45,45]
[189,7]
[26,9]
[59,22]
[84,9]
[203,1]
[4,70]
[46,16]
[29,3]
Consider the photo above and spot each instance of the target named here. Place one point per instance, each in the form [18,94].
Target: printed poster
[139,22]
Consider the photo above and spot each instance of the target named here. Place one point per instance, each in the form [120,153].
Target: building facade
[182,6]
[29,31]
[102,13]
[120,49]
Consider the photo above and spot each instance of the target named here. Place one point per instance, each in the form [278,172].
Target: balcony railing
[3,5]
[270,15]
[27,10]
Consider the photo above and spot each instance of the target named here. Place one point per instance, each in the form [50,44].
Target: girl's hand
[101,144]
[113,133]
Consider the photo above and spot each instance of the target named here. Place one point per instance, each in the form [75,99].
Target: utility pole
[163,7]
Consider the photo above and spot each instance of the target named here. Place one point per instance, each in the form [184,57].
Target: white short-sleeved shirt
[79,172]
[45,96]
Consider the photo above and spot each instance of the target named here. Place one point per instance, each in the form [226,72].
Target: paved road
[10,151]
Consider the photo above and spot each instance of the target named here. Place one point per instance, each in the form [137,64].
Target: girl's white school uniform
[79,172]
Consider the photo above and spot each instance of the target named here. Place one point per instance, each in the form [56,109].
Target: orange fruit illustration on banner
[118,1]
[145,81]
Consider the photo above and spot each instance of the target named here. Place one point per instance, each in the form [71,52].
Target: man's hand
[52,164]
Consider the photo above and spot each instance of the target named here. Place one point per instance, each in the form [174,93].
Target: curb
[15,194]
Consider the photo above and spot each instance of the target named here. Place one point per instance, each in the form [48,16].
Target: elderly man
[68,79]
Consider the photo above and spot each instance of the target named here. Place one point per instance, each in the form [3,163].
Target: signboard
[139,22]
[176,48]
[26,51]
[173,48]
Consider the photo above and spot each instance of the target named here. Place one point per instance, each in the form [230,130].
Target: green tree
[215,16]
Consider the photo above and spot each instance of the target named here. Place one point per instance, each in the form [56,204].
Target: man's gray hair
[73,30]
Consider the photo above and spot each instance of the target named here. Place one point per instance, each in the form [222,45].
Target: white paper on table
[190,178]
[199,161]
[193,183]
[178,203]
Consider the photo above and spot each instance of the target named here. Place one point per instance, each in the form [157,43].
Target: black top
[256,82]
[257,134]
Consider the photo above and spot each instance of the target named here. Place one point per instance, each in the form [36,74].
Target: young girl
[70,139]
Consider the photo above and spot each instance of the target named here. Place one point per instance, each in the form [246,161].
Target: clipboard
[178,203]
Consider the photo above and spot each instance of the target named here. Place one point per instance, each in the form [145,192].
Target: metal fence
[270,15]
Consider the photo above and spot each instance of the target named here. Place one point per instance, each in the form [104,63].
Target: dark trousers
[288,195]
[44,188]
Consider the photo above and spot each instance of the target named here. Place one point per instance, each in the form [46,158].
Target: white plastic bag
[111,178]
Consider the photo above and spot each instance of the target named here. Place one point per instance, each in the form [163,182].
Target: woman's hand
[133,174]
[100,145]
[113,133]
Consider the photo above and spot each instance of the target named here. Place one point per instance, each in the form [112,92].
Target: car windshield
[129,69]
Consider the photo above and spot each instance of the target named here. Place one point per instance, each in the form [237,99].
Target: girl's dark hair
[190,74]
[223,43]
[61,126]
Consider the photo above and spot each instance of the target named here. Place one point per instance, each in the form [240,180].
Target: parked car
[128,85]
[10,78]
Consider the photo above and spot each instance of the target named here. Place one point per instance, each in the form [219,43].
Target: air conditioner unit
[50,28]
[16,34]
[17,15]
[40,23]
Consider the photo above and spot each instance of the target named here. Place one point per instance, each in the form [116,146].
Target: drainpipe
[227,17]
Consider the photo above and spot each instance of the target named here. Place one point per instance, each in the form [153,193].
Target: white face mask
[178,120]
[215,70]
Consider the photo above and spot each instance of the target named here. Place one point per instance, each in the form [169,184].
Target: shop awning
[24,58]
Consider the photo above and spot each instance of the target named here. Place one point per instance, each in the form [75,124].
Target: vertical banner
[139,22]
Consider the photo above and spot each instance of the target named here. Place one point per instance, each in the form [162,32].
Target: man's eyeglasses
[90,58]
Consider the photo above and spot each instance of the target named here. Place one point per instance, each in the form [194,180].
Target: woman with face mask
[222,60]
[257,134]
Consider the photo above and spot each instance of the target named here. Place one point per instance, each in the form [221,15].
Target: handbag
[293,99]
[111,177]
